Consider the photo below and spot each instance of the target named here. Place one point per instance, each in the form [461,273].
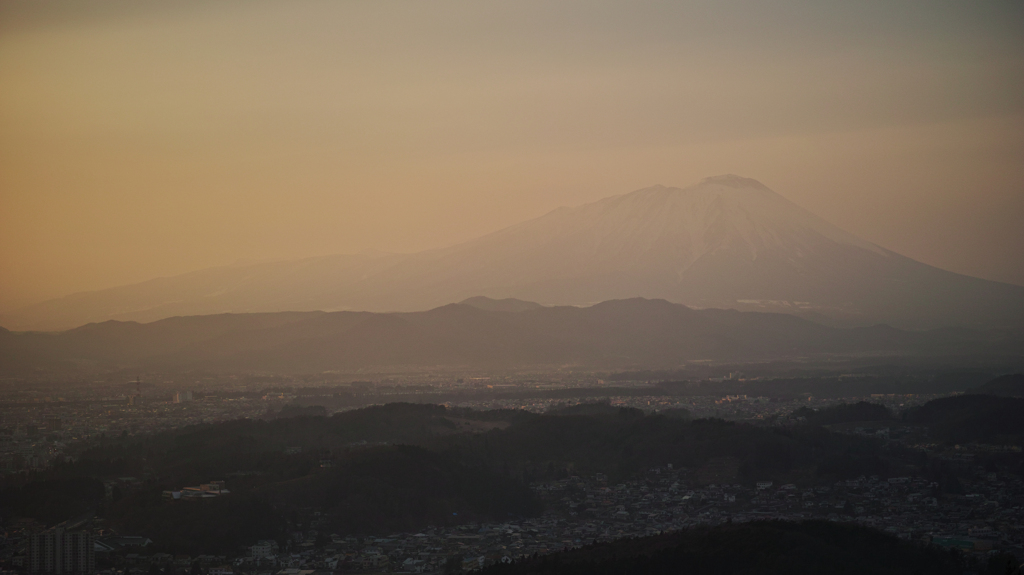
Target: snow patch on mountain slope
[677,226]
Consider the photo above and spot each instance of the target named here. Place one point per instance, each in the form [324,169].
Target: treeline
[621,442]
[379,490]
[404,488]
[972,418]
[198,453]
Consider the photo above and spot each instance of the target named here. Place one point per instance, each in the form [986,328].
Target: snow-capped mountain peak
[726,241]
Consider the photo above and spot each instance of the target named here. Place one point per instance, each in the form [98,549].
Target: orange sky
[148,139]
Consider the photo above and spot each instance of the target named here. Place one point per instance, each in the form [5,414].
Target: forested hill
[613,334]
[1007,386]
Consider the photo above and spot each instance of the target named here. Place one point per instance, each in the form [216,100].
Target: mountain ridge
[616,334]
[725,242]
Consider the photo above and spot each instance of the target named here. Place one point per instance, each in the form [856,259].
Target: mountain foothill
[621,334]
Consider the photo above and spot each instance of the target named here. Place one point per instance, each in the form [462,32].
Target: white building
[263,549]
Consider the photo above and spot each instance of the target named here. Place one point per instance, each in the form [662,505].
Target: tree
[453,565]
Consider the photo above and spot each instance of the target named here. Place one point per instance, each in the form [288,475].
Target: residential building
[61,552]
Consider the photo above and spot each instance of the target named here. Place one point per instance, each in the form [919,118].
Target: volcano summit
[725,242]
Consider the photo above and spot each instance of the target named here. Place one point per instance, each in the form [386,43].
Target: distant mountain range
[481,333]
[726,242]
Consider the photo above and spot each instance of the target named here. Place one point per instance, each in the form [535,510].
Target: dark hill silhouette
[623,333]
[1006,386]
[972,418]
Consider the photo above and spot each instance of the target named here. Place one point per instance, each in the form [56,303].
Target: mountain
[971,418]
[726,242]
[614,334]
[1005,386]
[508,304]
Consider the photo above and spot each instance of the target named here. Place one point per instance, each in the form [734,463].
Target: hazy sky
[141,139]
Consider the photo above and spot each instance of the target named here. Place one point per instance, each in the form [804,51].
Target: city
[981,514]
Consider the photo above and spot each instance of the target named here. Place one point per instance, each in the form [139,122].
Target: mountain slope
[507,304]
[726,242]
[614,334]
[1005,386]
